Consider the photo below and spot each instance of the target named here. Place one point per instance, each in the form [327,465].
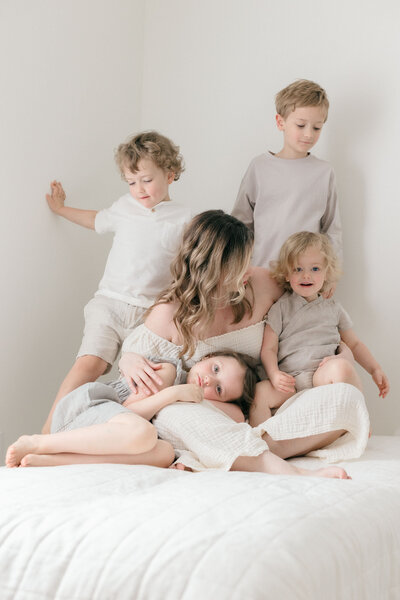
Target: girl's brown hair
[250,380]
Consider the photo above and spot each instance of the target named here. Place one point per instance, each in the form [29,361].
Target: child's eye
[301,126]
[317,128]
[298,270]
[315,268]
[219,390]
[147,180]
[216,368]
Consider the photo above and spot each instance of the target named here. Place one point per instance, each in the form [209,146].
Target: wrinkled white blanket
[204,437]
[117,532]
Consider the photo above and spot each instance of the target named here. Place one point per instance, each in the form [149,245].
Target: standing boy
[147,229]
[292,190]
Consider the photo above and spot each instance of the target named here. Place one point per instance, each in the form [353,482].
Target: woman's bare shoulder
[263,284]
[160,320]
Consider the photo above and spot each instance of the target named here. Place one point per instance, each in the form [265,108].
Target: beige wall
[71,77]
[214,91]
[78,77]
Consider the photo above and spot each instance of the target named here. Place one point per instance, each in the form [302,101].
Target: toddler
[304,329]
[291,190]
[147,227]
[100,422]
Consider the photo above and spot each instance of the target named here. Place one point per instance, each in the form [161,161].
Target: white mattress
[120,532]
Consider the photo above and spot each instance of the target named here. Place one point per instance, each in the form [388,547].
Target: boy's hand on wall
[56,199]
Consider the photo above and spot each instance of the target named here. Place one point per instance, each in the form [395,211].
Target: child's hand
[330,290]
[283,382]
[189,392]
[56,199]
[381,381]
[140,373]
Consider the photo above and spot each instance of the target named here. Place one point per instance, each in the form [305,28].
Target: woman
[217,301]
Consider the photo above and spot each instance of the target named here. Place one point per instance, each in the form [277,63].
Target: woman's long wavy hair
[207,273]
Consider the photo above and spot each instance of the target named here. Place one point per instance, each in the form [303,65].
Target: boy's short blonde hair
[301,92]
[295,245]
[149,145]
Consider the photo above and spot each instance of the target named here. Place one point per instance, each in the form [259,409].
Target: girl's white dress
[206,438]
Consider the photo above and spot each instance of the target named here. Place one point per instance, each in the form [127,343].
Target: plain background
[79,77]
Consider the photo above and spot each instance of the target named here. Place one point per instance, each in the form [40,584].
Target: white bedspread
[114,532]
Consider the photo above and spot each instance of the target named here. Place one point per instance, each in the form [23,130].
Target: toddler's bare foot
[16,452]
[333,472]
[180,467]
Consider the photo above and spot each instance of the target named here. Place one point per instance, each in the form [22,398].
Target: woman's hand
[330,290]
[283,382]
[140,373]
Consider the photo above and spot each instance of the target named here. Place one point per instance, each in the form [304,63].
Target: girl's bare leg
[337,370]
[86,368]
[301,446]
[266,397]
[126,433]
[267,462]
[162,455]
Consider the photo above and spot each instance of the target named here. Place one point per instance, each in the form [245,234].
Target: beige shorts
[107,323]
[304,381]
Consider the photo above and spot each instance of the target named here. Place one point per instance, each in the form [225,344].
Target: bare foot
[39,460]
[16,452]
[180,467]
[332,472]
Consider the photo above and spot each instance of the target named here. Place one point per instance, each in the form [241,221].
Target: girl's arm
[148,407]
[56,200]
[365,358]
[281,381]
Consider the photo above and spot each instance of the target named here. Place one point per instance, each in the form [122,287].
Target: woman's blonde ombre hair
[208,272]
[295,245]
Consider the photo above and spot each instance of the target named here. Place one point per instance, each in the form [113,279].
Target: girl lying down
[107,423]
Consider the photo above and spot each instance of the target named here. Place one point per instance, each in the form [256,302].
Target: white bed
[115,532]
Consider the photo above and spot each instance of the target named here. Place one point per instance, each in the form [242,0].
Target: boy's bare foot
[16,452]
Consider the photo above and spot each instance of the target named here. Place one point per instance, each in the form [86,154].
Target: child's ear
[280,122]
[171,177]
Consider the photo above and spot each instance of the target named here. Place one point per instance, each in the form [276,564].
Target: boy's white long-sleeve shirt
[279,197]
[145,242]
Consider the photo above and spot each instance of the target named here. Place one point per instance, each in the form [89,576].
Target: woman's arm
[365,358]
[140,372]
[266,290]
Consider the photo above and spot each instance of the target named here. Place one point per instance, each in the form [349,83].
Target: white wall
[71,76]
[78,77]
[211,70]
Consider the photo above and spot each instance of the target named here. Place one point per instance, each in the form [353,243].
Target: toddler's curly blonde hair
[295,245]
